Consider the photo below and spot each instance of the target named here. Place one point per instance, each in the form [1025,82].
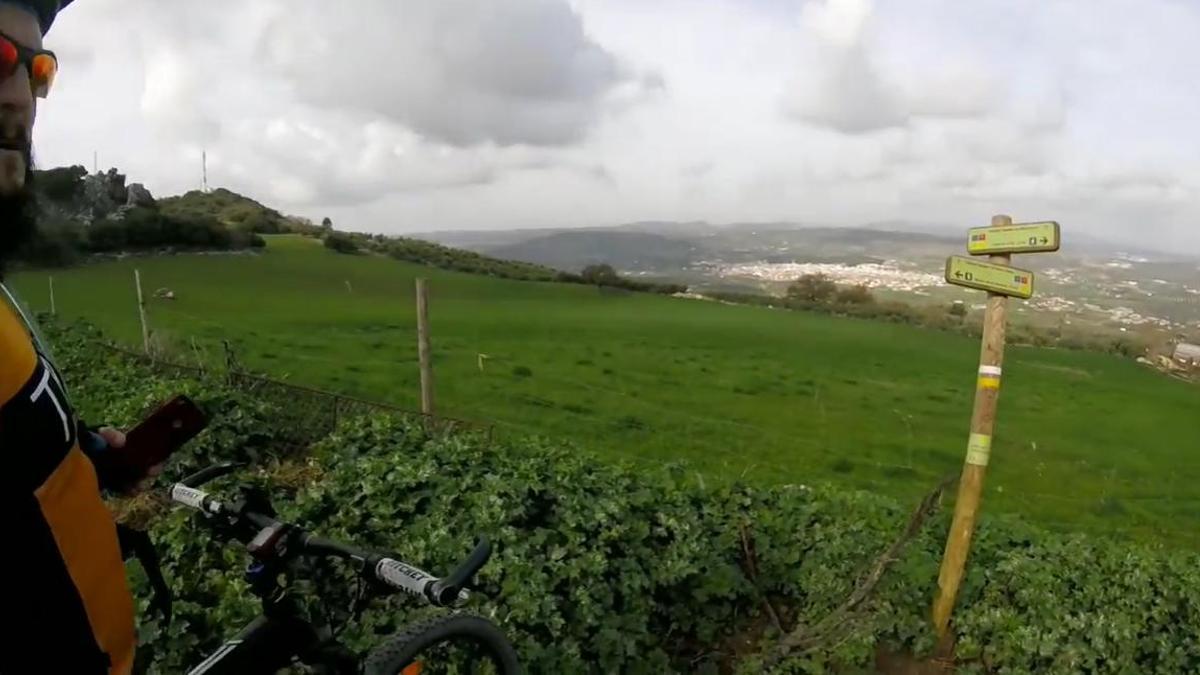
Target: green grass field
[1085,441]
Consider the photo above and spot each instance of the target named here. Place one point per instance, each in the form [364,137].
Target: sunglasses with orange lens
[42,64]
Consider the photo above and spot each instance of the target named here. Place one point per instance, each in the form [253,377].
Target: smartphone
[164,431]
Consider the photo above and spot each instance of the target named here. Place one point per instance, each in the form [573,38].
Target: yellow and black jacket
[65,601]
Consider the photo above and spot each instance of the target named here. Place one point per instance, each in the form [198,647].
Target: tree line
[80,215]
[819,293]
[445,257]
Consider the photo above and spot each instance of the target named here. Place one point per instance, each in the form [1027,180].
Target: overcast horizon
[425,115]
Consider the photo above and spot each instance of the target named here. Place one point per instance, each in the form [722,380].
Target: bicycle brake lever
[211,472]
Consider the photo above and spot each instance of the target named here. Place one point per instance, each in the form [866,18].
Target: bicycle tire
[403,648]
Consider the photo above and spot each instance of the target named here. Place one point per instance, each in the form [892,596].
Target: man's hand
[116,440]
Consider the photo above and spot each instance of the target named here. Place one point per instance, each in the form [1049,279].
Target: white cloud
[460,71]
[842,83]
[172,101]
[309,103]
[837,85]
[400,115]
[842,90]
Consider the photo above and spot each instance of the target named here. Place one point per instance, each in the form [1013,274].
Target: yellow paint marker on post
[989,377]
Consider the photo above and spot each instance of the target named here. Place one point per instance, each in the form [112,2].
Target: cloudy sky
[409,115]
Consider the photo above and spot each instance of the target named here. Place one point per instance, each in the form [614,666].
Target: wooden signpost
[1001,281]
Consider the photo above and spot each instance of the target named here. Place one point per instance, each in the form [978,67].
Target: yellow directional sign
[986,276]
[1019,238]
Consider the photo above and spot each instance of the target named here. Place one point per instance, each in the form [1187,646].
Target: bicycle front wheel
[455,645]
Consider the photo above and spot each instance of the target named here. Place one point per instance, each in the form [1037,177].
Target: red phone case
[163,432]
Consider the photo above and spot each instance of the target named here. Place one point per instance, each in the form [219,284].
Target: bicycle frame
[277,637]
[283,633]
[265,645]
[270,643]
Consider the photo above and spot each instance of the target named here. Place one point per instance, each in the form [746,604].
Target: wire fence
[1130,500]
[306,414]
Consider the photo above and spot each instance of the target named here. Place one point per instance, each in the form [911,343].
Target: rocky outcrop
[119,213]
[138,195]
[103,194]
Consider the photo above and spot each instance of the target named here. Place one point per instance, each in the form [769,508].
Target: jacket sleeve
[96,449]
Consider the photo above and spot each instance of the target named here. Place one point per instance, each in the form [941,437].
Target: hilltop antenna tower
[204,170]
[95,161]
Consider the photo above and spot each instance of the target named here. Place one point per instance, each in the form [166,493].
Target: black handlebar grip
[446,591]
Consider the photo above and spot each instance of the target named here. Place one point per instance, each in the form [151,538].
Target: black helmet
[45,10]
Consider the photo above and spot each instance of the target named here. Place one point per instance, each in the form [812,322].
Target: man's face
[17,103]
[17,110]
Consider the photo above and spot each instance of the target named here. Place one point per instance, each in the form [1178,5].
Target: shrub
[56,243]
[340,242]
[143,228]
[812,288]
[599,275]
[854,295]
[258,221]
[105,235]
[1128,347]
[227,207]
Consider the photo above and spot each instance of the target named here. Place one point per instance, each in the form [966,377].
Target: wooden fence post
[137,279]
[230,363]
[423,351]
[53,307]
[196,352]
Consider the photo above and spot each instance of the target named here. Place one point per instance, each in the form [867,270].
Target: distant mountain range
[669,247]
[624,249]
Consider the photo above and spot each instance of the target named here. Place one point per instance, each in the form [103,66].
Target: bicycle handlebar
[266,537]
